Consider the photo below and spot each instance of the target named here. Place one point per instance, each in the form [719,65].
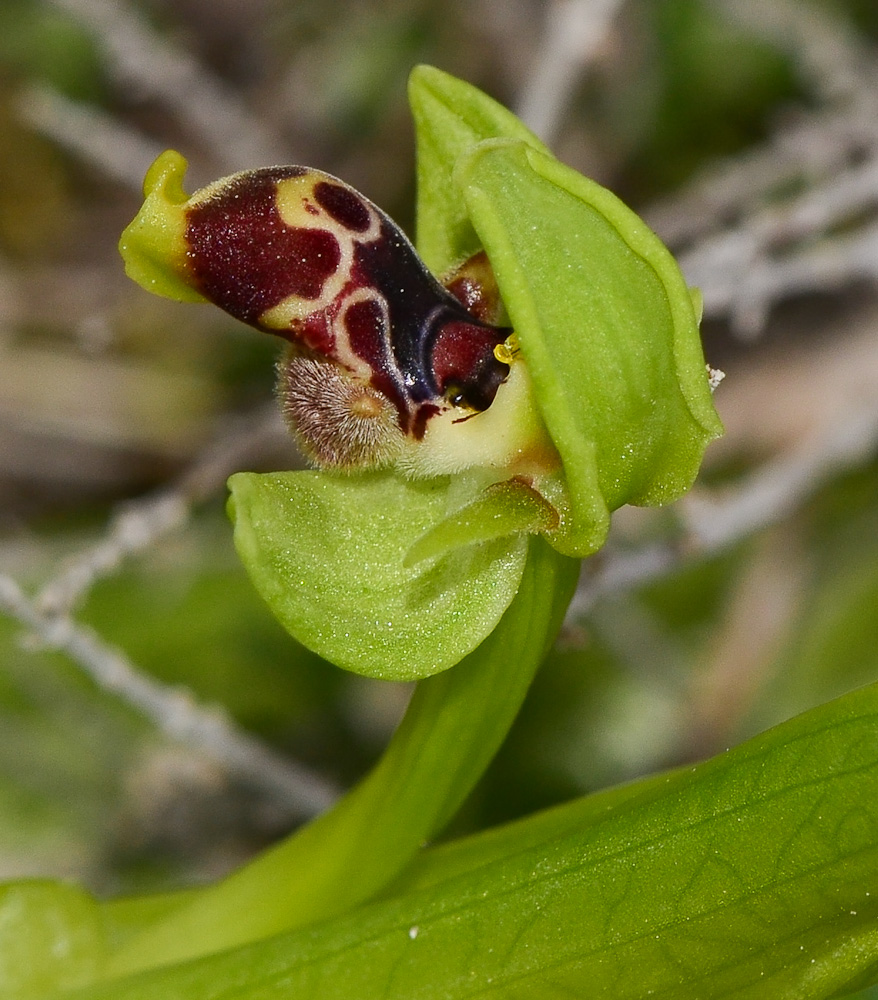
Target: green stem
[453,727]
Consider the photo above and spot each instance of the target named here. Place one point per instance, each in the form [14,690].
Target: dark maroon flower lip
[300,254]
[244,258]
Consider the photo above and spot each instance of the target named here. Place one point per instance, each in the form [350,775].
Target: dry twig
[744,244]
[97,138]
[146,64]
[173,711]
[712,521]
[139,524]
[575,31]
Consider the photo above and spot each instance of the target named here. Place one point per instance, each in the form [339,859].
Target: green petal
[500,510]
[327,554]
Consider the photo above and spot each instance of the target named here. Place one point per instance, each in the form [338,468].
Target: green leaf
[607,329]
[451,117]
[51,938]
[327,554]
[753,876]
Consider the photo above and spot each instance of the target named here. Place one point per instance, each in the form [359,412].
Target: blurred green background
[107,394]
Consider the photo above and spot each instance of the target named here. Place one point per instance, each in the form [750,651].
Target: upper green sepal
[451,117]
[606,324]
[153,245]
[607,329]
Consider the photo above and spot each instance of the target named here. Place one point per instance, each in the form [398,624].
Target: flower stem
[453,727]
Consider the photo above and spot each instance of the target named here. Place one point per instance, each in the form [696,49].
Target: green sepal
[327,553]
[153,245]
[606,326]
[451,116]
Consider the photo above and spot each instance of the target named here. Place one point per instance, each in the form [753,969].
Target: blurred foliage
[106,393]
[90,791]
[37,41]
[34,193]
[740,81]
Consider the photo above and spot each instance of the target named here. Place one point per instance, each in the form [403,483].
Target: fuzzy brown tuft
[339,421]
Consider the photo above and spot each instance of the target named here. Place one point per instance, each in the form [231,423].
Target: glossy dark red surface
[419,309]
[464,365]
[344,205]
[424,346]
[245,258]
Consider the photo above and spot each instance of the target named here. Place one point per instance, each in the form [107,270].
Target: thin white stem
[575,31]
[778,487]
[133,529]
[738,278]
[139,524]
[173,710]
[98,138]
[712,522]
[150,65]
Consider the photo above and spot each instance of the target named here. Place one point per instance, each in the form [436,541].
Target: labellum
[379,350]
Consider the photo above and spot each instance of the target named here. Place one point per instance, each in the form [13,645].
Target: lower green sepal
[328,555]
[51,938]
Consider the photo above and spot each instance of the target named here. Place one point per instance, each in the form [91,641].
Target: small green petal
[502,509]
[153,246]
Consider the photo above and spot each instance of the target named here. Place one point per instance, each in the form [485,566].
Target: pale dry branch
[740,279]
[796,214]
[807,152]
[823,238]
[99,139]
[243,441]
[575,31]
[173,710]
[793,397]
[800,153]
[711,521]
[133,529]
[777,488]
[139,524]
[149,65]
